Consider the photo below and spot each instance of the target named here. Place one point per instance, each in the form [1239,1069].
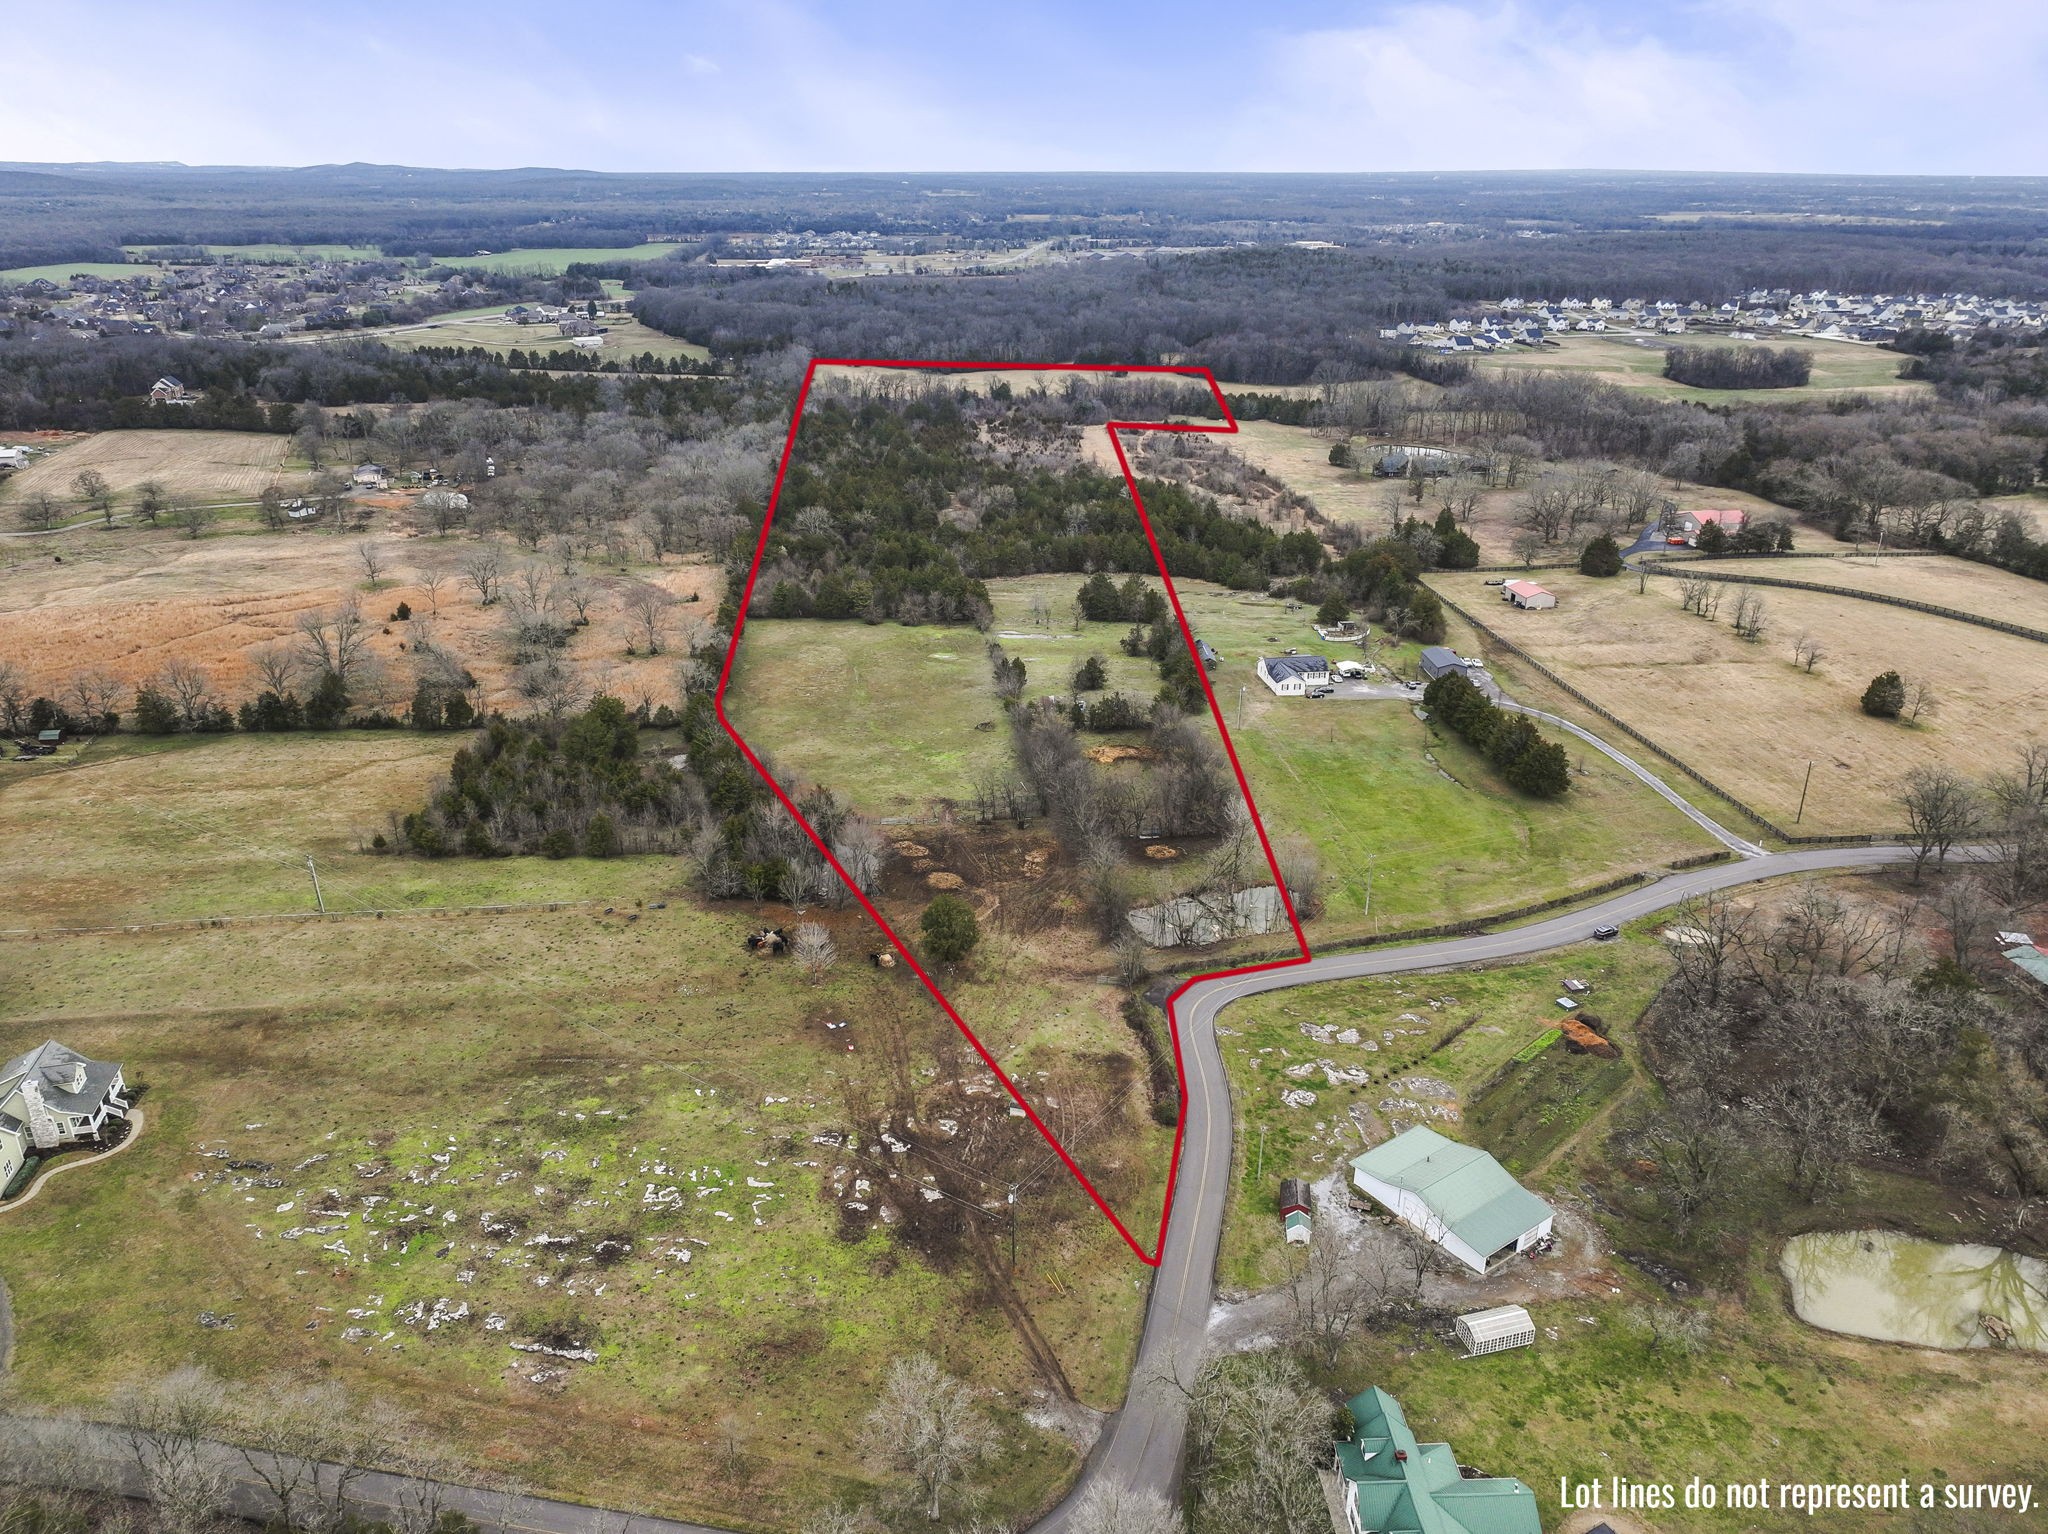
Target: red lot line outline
[1151,1258]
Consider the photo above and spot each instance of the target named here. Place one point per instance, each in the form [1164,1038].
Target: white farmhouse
[1454,1195]
[52,1097]
[1290,676]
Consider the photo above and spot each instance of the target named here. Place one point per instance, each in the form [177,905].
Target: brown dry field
[1959,583]
[128,602]
[1745,714]
[1300,459]
[191,465]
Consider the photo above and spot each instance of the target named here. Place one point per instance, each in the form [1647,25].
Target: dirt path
[135,1127]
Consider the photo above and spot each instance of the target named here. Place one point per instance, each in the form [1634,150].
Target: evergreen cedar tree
[1456,549]
[950,929]
[1527,761]
[1601,556]
[1333,611]
[1091,675]
[1885,697]
[1711,539]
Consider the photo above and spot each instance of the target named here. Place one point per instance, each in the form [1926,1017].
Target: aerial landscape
[919,809]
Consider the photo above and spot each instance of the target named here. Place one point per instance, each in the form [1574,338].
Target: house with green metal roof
[2030,960]
[1391,1484]
[1454,1195]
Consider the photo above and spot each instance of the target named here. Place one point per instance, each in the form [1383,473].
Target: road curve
[1142,1444]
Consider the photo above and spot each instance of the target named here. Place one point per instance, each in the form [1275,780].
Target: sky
[1848,86]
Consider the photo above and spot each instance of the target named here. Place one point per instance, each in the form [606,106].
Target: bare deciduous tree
[647,605]
[1808,652]
[1257,1432]
[276,664]
[190,688]
[14,696]
[372,558]
[307,1443]
[1110,1507]
[481,572]
[814,949]
[927,1426]
[1941,809]
[431,582]
[337,641]
[94,697]
[173,1426]
[1920,698]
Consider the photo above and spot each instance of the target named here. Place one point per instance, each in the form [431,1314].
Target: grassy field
[1750,718]
[412,1103]
[60,272]
[1427,823]
[190,465]
[1767,1398]
[200,826]
[1963,584]
[1363,781]
[1430,1046]
[552,262]
[1839,367]
[624,337]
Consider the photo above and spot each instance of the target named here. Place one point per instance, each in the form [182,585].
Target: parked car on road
[1606,934]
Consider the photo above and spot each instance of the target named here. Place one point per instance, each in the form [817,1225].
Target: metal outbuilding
[1492,1331]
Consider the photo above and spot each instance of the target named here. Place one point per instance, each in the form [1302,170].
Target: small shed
[1492,1331]
[1294,1211]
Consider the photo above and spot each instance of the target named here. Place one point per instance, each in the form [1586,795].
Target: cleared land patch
[1839,367]
[129,600]
[190,465]
[1746,715]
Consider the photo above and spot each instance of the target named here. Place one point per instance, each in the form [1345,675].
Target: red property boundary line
[1229,426]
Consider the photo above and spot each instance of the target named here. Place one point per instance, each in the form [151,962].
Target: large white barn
[1454,1195]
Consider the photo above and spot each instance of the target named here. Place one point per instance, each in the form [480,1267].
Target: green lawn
[1364,781]
[1453,1033]
[563,1062]
[1427,824]
[1767,1397]
[150,829]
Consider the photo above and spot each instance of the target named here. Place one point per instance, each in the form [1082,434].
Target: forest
[1967,232]
[901,511]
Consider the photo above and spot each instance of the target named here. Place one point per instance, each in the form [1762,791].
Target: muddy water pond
[1896,1288]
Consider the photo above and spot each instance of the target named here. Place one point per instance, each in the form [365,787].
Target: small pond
[1878,1283]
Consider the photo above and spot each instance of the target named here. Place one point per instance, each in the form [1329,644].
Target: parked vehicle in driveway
[1498,581]
[1321,692]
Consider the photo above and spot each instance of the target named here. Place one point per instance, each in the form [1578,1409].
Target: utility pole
[1802,794]
[318,899]
[1368,886]
[1260,1175]
[1013,1230]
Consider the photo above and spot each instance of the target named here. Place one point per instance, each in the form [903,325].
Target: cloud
[1757,85]
[1824,85]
